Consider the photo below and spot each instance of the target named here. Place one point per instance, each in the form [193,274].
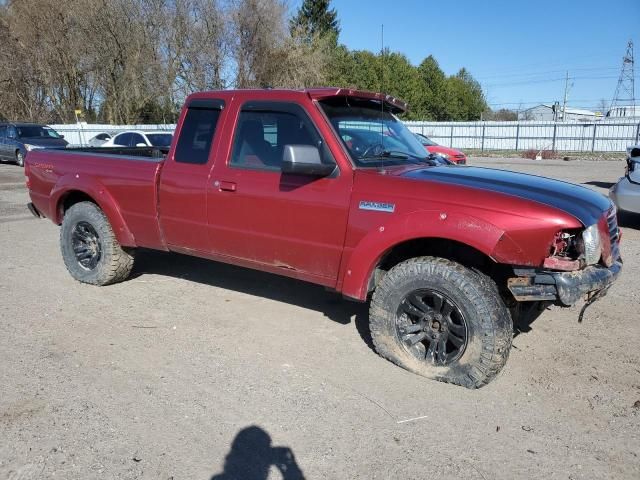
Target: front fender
[70,183]
[466,229]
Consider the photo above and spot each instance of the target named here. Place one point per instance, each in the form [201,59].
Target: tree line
[134,61]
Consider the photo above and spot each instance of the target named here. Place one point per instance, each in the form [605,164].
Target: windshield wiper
[395,154]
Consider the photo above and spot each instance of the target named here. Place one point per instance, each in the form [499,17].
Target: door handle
[226,186]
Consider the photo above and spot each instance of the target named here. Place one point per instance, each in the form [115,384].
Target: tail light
[27,171]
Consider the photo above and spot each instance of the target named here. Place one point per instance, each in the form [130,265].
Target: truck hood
[580,202]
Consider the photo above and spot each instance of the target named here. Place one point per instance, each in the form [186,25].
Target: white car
[136,138]
[626,193]
[99,139]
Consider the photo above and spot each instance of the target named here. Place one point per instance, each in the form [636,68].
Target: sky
[518,50]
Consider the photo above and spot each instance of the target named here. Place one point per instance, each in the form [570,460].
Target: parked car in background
[140,139]
[99,140]
[456,156]
[626,193]
[16,139]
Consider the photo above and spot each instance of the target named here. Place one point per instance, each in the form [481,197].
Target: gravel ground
[194,370]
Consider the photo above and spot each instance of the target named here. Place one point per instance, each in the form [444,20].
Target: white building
[544,113]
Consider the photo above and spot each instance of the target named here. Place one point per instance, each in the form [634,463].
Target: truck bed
[125,177]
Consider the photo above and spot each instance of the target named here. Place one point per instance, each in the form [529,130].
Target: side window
[3,132]
[12,132]
[136,138]
[122,140]
[196,135]
[263,130]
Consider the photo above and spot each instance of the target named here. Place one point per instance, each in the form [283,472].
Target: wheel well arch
[71,198]
[453,250]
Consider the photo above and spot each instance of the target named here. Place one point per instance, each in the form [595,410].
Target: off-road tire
[489,328]
[115,263]
[19,158]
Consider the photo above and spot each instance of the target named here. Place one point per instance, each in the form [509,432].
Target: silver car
[626,193]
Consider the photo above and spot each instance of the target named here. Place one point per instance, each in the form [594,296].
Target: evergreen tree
[316,18]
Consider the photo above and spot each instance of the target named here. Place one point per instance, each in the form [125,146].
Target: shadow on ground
[252,456]
[597,183]
[629,220]
[260,284]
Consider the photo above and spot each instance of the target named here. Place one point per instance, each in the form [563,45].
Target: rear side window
[124,139]
[196,135]
[136,138]
[3,131]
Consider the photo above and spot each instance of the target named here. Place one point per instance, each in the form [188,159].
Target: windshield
[373,138]
[160,139]
[426,141]
[36,131]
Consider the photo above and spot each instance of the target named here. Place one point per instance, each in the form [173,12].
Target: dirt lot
[192,369]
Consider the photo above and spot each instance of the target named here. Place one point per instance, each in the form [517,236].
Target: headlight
[32,147]
[443,155]
[592,245]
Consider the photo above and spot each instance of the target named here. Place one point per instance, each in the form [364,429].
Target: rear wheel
[19,159]
[441,320]
[90,249]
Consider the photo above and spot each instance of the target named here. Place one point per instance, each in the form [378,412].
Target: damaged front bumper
[565,288]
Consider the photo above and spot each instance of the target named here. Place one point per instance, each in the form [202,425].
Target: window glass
[262,134]
[3,131]
[160,139]
[103,136]
[136,138]
[122,140]
[196,135]
[11,132]
[373,137]
[36,131]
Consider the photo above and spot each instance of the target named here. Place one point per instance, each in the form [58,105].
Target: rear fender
[465,229]
[71,183]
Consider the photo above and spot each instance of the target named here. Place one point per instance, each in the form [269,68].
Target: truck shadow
[629,220]
[252,282]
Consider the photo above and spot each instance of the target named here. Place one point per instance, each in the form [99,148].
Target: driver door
[292,224]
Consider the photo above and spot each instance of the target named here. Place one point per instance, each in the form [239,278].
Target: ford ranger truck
[328,186]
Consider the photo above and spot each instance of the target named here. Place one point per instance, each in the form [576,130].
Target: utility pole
[564,102]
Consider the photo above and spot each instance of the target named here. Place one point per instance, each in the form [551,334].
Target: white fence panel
[80,134]
[602,136]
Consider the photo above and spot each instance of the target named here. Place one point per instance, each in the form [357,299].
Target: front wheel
[441,320]
[89,247]
[19,159]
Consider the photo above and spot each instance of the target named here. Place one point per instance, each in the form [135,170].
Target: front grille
[614,233]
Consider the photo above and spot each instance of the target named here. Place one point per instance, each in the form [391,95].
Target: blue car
[16,139]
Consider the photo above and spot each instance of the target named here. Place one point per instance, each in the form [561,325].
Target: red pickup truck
[327,185]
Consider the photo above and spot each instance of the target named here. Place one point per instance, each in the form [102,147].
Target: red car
[451,154]
[323,185]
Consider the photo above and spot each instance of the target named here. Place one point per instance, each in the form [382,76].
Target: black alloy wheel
[86,245]
[431,327]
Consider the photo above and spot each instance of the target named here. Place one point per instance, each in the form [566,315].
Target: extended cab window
[263,130]
[196,135]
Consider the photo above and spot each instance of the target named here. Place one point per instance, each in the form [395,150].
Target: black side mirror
[61,136]
[304,160]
